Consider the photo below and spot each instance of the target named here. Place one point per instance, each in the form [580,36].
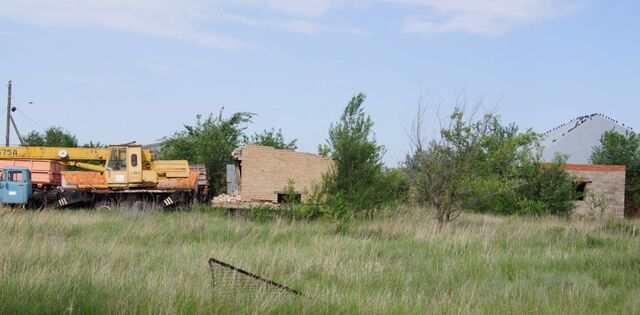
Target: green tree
[442,169]
[622,149]
[273,138]
[356,183]
[484,166]
[52,137]
[210,141]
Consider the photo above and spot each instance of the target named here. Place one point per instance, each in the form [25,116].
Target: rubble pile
[226,199]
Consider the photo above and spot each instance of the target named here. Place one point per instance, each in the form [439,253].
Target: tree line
[475,162]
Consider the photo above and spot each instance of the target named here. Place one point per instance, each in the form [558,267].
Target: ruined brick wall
[604,183]
[266,171]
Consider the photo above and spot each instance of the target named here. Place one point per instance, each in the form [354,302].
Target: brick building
[261,173]
[602,187]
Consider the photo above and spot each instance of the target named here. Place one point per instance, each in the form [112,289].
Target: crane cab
[126,168]
[15,186]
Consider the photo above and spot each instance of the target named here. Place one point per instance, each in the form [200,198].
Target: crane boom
[54,153]
[61,153]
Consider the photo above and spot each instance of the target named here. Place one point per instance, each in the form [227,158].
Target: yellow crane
[123,166]
[115,170]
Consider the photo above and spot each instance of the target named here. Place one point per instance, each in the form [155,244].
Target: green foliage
[92,145]
[550,185]
[493,194]
[357,183]
[443,170]
[324,150]
[52,137]
[210,141]
[291,208]
[487,167]
[273,138]
[396,186]
[291,196]
[618,149]
[510,178]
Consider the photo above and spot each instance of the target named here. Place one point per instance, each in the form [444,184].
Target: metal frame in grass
[253,279]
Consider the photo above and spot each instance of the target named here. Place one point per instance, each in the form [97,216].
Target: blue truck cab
[15,186]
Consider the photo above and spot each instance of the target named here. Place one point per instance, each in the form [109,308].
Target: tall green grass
[81,262]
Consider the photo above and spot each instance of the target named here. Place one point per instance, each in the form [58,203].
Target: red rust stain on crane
[187,183]
[84,180]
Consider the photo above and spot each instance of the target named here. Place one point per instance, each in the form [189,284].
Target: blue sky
[116,70]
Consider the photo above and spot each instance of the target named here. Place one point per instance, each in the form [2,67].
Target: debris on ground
[224,198]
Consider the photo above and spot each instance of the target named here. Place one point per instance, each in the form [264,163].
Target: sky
[116,71]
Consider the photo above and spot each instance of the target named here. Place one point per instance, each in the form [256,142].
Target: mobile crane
[116,172]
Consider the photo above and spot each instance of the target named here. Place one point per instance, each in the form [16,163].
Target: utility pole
[8,114]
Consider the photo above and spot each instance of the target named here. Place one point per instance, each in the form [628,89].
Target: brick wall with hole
[602,188]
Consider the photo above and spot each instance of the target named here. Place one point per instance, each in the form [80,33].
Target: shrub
[550,185]
[492,194]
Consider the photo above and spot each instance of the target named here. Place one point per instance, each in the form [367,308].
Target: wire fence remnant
[233,279]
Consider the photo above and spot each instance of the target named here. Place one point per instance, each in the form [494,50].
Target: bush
[550,185]
[534,189]
[532,207]
[492,194]
[396,186]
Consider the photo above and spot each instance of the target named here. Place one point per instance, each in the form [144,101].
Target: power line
[31,120]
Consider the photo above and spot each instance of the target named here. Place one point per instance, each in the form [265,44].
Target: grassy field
[125,262]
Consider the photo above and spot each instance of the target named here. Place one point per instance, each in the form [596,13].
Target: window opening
[581,191]
[15,177]
[289,198]
[118,159]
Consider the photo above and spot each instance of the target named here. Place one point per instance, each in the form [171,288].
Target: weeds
[110,262]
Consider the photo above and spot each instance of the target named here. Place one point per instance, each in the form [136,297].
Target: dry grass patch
[125,262]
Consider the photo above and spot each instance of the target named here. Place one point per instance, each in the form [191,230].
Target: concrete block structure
[602,187]
[261,173]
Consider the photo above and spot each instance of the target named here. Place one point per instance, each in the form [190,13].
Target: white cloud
[162,18]
[303,7]
[487,17]
[294,25]
[186,19]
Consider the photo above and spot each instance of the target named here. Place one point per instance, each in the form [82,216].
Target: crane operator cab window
[118,159]
[16,176]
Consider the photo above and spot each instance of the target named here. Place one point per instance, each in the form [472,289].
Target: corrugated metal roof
[577,138]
